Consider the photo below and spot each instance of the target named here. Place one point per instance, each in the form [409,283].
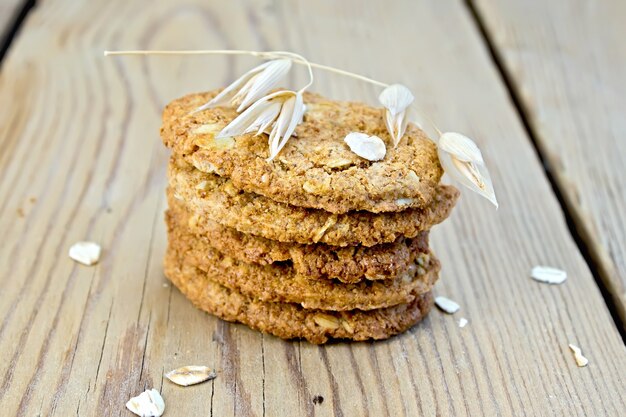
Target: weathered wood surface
[80,159]
[567,61]
[9,11]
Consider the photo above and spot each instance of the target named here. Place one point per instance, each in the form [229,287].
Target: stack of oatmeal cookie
[317,244]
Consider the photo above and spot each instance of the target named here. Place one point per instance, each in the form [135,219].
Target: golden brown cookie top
[316,169]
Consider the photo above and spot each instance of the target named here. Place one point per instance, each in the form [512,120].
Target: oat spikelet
[396,98]
[463,161]
[251,86]
[282,109]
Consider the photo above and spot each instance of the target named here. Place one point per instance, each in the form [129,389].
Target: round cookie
[280,283]
[316,169]
[217,199]
[348,264]
[289,321]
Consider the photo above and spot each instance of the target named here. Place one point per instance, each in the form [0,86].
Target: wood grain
[567,62]
[80,159]
[9,11]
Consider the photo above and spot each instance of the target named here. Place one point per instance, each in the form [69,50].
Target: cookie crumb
[548,275]
[581,361]
[447,305]
[86,253]
[318,399]
[463,322]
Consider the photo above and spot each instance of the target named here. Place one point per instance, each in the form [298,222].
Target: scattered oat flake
[548,275]
[463,322]
[147,404]
[581,361]
[447,305]
[86,253]
[371,148]
[191,375]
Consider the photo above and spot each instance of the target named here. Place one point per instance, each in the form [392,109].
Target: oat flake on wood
[191,375]
[447,305]
[581,361]
[147,404]
[548,275]
[86,253]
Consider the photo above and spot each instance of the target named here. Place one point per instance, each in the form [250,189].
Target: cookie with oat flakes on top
[316,169]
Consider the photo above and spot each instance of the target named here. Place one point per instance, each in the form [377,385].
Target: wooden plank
[80,159]
[567,62]
[9,11]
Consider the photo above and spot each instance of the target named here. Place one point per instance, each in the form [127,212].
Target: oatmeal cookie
[316,169]
[216,198]
[348,264]
[280,283]
[289,321]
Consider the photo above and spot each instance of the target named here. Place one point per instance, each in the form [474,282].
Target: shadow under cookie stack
[317,244]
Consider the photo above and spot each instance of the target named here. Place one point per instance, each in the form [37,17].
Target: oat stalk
[458,154]
[296,58]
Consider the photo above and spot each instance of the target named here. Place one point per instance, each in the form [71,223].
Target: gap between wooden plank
[575,225]
[13,26]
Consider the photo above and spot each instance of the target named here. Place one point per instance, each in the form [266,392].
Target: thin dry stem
[298,59]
